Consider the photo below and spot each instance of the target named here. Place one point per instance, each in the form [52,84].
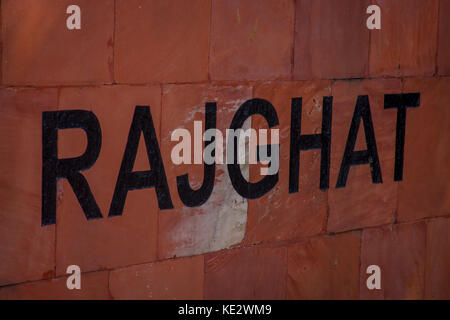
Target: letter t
[401,102]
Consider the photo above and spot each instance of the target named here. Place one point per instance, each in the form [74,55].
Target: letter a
[74,281]
[374,21]
[374,281]
[74,20]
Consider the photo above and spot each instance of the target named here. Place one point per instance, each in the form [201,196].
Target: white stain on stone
[217,224]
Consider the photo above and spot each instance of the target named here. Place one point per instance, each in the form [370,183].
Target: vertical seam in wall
[360,264]
[397,184]
[331,83]
[425,261]
[210,39]
[109,285]
[204,276]
[161,86]
[287,273]
[114,46]
[370,48]
[58,98]
[293,40]
[327,217]
[436,66]
[1,44]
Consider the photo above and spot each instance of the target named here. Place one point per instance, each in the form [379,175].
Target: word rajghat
[54,168]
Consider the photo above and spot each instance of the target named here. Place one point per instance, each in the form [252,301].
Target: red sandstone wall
[176,55]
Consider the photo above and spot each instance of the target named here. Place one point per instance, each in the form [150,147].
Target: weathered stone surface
[437,277]
[280,215]
[251,40]
[249,273]
[94,286]
[362,203]
[331,40]
[443,62]
[38,48]
[406,43]
[27,250]
[324,268]
[170,279]
[161,41]
[221,221]
[121,240]
[424,191]
[399,251]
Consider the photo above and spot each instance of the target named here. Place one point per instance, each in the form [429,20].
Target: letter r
[54,168]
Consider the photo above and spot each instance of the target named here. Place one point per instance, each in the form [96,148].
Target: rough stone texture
[324,268]
[249,273]
[162,41]
[406,43]
[399,251]
[443,62]
[171,279]
[121,240]
[361,203]
[279,215]
[424,191]
[1,48]
[251,40]
[331,40]
[26,248]
[38,49]
[221,221]
[437,280]
[175,56]
[94,286]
